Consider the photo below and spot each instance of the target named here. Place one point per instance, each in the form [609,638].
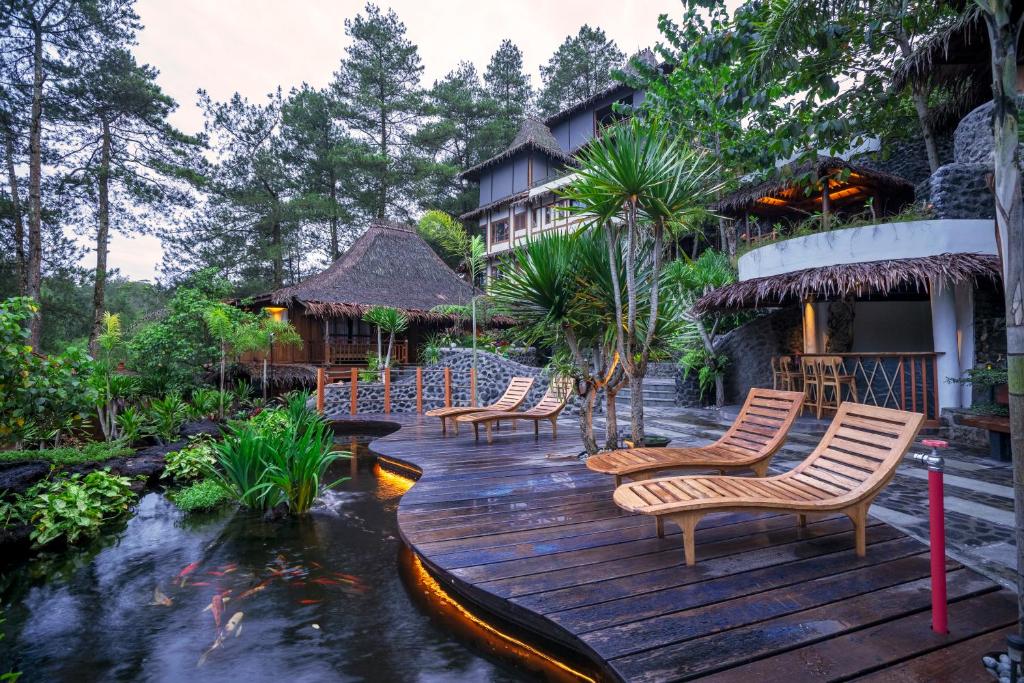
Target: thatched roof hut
[532,135]
[389,265]
[800,189]
[850,279]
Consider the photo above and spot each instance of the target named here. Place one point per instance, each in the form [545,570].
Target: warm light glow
[393,478]
[276,312]
[771,201]
[501,642]
[840,194]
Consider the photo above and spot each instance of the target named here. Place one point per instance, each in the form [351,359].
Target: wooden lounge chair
[757,434]
[548,408]
[856,458]
[515,394]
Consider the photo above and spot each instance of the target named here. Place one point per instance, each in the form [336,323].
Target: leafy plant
[73,507]
[201,496]
[131,425]
[70,455]
[297,466]
[243,392]
[166,415]
[372,371]
[269,420]
[204,403]
[430,352]
[710,367]
[388,320]
[241,468]
[191,462]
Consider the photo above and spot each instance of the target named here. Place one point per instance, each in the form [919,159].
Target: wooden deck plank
[539,541]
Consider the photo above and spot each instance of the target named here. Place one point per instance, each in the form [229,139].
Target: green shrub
[73,507]
[241,466]
[270,420]
[131,425]
[299,461]
[204,403]
[191,462]
[207,494]
[93,452]
[166,415]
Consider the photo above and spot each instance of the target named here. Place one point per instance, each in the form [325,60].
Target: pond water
[319,599]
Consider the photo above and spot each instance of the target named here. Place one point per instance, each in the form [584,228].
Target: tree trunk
[278,255]
[709,346]
[1003,34]
[21,267]
[587,419]
[636,409]
[919,96]
[102,238]
[223,364]
[473,301]
[34,275]
[334,217]
[387,358]
[611,391]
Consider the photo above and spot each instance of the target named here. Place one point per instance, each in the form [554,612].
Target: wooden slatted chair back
[555,398]
[830,368]
[810,368]
[859,453]
[762,424]
[514,394]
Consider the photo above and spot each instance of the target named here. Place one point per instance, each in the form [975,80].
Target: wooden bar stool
[810,375]
[832,375]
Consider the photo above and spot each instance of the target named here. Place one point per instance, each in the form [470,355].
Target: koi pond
[228,596]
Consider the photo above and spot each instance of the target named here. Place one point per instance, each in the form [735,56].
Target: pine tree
[377,86]
[39,39]
[455,138]
[581,67]
[509,86]
[134,167]
[320,156]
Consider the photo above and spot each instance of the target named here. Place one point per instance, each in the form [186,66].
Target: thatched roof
[389,265]
[533,134]
[784,191]
[849,279]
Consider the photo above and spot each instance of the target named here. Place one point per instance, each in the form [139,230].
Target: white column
[964,294]
[944,342]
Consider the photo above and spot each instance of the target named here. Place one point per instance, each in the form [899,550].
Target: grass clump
[70,455]
[201,496]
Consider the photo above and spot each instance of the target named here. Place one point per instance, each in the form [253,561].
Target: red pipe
[937,526]
[937,537]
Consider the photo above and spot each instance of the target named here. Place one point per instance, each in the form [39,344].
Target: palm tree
[389,320]
[637,179]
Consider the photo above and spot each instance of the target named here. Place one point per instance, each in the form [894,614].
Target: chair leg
[760,468]
[536,427]
[618,481]
[476,431]
[490,436]
[659,525]
[554,428]
[444,427]
[687,521]
[801,520]
[456,423]
[858,514]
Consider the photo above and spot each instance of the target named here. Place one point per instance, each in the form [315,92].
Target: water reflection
[320,599]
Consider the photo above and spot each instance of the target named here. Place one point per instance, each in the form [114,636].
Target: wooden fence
[441,375]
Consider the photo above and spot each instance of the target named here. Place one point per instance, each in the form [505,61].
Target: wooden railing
[905,381]
[431,375]
[340,351]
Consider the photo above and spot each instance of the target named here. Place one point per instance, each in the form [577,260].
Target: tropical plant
[233,328]
[166,415]
[430,351]
[373,368]
[131,425]
[201,496]
[243,393]
[686,281]
[241,468]
[297,466]
[260,335]
[389,320]
[637,180]
[191,462]
[75,507]
[269,420]
[206,403]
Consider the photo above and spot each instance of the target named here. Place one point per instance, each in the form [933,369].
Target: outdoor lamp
[275,311]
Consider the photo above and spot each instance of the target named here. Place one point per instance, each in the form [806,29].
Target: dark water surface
[321,599]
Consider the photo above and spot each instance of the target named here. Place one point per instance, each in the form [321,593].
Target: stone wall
[961,190]
[751,347]
[908,158]
[493,375]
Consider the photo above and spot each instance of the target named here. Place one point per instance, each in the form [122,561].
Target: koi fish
[228,568]
[160,599]
[255,589]
[215,573]
[235,622]
[216,643]
[199,583]
[217,607]
[310,602]
[224,600]
[188,569]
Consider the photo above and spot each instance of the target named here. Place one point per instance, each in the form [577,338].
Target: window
[547,215]
[499,231]
[520,221]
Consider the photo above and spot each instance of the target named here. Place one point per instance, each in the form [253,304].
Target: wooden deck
[538,541]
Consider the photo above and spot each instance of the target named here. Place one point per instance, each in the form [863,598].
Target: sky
[254,46]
